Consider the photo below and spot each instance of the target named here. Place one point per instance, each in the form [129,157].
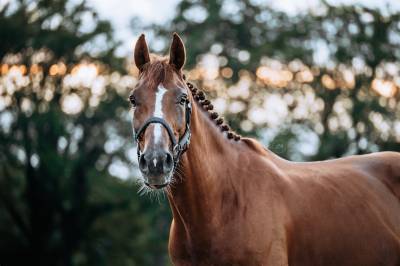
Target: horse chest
[228,246]
[194,253]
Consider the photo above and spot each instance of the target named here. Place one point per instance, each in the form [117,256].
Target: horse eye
[183,99]
[132,100]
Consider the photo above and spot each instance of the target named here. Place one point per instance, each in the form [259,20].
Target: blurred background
[312,80]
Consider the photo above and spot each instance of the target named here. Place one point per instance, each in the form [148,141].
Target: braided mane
[200,97]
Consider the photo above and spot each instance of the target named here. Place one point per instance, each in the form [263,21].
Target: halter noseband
[178,146]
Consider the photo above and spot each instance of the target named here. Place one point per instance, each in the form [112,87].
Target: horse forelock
[157,70]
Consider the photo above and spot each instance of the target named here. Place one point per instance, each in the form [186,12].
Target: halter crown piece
[178,146]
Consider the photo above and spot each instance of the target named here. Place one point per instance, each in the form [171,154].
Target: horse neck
[203,171]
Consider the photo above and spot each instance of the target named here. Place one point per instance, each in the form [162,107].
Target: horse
[235,202]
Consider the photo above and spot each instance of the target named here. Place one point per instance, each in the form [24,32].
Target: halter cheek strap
[178,146]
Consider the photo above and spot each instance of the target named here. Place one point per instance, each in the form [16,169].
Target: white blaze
[158,112]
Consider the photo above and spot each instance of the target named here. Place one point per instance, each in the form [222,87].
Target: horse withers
[236,203]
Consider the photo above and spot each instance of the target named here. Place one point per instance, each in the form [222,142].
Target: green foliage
[239,26]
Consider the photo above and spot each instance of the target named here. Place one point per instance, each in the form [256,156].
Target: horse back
[386,167]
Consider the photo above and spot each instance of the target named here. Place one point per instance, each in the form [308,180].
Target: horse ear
[142,55]
[177,54]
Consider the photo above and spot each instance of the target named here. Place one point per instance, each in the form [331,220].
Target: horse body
[236,203]
[239,204]
[343,214]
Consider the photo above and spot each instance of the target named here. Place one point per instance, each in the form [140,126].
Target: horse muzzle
[156,167]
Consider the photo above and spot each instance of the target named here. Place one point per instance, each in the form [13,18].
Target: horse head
[162,108]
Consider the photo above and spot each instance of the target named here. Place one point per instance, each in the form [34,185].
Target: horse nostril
[169,162]
[143,165]
[156,163]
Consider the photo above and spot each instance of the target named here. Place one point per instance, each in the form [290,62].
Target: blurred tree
[347,54]
[64,124]
[240,32]
[362,41]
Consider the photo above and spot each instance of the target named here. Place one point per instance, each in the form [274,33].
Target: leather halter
[178,146]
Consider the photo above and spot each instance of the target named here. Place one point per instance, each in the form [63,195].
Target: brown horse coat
[236,203]
[239,204]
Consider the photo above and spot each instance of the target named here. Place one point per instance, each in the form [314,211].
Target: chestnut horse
[236,203]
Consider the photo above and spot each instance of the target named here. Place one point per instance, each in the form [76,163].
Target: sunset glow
[384,87]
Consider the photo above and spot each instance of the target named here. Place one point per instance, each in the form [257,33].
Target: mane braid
[200,98]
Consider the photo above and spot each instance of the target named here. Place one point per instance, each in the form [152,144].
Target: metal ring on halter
[178,147]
